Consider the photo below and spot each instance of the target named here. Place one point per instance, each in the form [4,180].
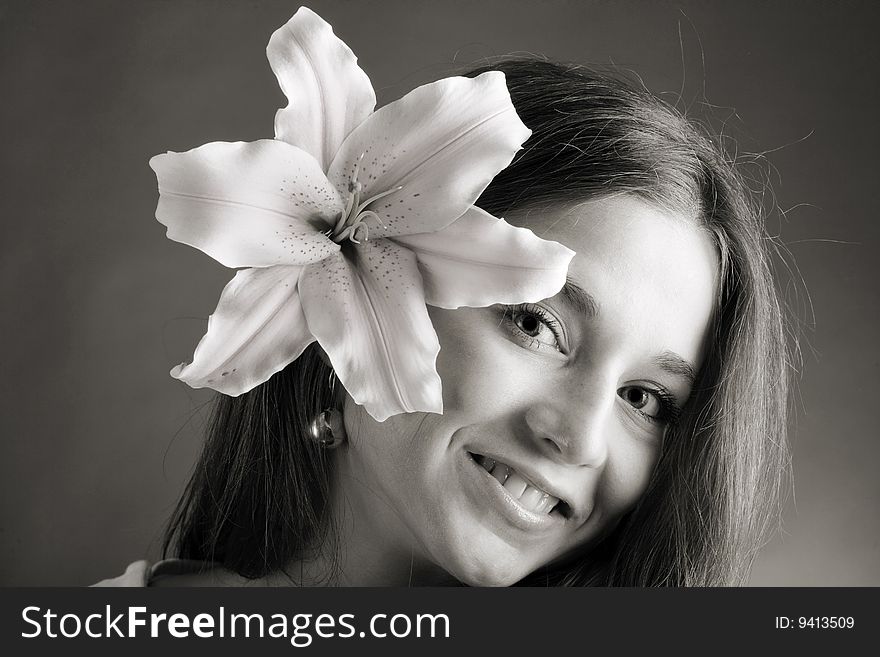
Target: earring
[327,429]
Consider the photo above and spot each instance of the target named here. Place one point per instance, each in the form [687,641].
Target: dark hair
[259,494]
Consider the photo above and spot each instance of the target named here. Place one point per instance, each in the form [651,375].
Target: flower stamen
[355,215]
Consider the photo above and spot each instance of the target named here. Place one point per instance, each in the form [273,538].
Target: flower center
[352,222]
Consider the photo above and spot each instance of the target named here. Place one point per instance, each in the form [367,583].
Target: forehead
[653,273]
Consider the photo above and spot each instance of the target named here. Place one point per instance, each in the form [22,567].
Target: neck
[367,544]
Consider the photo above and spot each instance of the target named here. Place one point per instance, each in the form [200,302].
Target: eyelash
[670,410]
[511,312]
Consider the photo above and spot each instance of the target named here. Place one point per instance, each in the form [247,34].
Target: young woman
[628,430]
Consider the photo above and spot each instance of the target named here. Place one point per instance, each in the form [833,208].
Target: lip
[487,491]
[532,477]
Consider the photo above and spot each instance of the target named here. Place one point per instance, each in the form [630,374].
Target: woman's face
[554,413]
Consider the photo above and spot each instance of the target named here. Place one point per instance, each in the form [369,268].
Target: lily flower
[349,222]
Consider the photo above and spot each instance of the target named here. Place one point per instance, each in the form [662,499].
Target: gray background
[97,305]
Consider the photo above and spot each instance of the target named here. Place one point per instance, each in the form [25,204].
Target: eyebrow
[668,361]
[581,300]
[671,362]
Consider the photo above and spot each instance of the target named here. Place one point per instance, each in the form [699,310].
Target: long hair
[258,498]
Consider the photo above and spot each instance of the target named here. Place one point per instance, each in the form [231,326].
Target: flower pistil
[354,217]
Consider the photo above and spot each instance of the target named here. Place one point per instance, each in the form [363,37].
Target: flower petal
[257,329]
[367,310]
[443,143]
[253,204]
[328,94]
[479,260]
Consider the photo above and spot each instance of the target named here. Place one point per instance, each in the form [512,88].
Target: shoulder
[182,573]
[136,574]
[168,572]
[190,572]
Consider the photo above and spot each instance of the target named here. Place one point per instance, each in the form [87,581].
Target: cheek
[478,373]
[385,452]
[627,473]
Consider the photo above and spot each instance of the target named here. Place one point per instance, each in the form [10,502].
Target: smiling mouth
[529,496]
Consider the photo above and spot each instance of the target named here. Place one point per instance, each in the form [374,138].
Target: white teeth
[537,501]
[500,472]
[546,504]
[515,484]
[530,497]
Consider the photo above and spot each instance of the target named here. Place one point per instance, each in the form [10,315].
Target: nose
[573,432]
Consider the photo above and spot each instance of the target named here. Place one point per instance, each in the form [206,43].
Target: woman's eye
[646,402]
[534,327]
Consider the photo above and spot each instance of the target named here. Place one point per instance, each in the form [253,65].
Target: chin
[488,567]
[476,544]
[488,575]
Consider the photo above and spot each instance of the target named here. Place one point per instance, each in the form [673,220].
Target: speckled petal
[328,93]
[443,143]
[257,329]
[254,204]
[366,308]
[479,260]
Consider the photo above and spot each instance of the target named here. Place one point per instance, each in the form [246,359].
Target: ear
[337,427]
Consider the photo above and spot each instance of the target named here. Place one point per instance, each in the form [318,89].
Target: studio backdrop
[97,305]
